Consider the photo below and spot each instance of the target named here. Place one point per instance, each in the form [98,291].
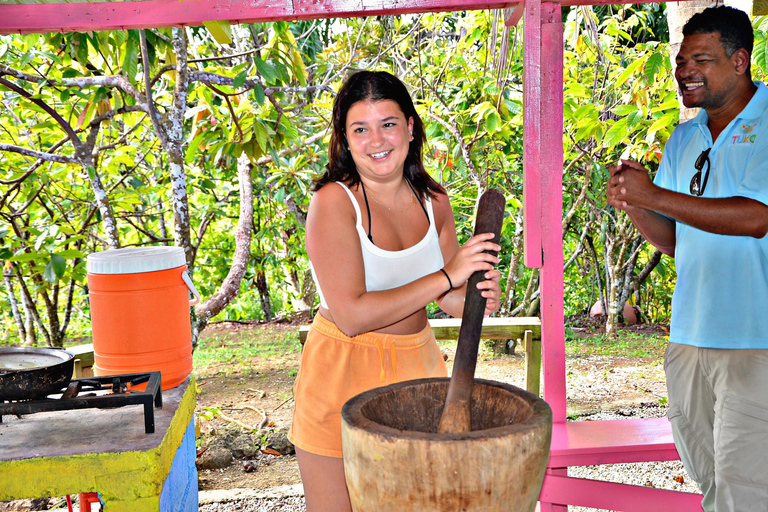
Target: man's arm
[657,229]
[630,188]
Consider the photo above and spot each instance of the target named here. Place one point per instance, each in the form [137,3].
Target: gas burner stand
[118,397]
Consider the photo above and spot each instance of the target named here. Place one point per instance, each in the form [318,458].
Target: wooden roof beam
[122,15]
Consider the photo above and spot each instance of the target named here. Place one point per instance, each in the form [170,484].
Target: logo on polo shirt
[745,137]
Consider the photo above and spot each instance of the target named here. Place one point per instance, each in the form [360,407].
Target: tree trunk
[243,235]
[174,142]
[508,301]
[263,288]
[15,307]
[108,221]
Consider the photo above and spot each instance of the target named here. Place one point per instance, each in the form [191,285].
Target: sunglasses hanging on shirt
[697,184]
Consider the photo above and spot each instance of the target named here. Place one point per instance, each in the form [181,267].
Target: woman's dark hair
[375,86]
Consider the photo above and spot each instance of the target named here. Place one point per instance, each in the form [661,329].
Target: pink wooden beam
[513,14]
[120,15]
[583,443]
[614,496]
[532,135]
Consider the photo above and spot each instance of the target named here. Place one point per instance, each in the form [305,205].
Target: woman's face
[378,135]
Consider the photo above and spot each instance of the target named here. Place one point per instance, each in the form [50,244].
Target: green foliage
[222,348]
[619,103]
[628,344]
[273,107]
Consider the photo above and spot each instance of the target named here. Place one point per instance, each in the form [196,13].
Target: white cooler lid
[132,260]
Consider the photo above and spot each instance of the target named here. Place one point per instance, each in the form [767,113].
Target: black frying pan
[27,373]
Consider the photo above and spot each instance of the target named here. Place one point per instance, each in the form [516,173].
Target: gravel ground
[285,504]
[663,475]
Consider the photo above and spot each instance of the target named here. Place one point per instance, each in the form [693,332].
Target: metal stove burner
[114,390]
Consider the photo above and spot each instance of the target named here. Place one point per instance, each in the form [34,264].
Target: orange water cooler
[139,300]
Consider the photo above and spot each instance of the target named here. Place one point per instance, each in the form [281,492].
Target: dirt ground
[595,383]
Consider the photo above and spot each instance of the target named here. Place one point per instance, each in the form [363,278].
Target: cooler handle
[188,281]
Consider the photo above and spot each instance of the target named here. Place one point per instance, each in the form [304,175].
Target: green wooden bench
[83,360]
[525,329]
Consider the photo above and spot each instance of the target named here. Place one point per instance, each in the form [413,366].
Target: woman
[379,231]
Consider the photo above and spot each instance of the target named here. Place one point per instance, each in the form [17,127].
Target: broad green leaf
[130,60]
[299,70]
[260,131]
[288,129]
[266,70]
[119,37]
[668,120]
[5,253]
[239,79]
[221,30]
[71,254]
[26,58]
[760,55]
[623,110]
[634,118]
[654,64]
[27,256]
[615,133]
[629,71]
[258,94]
[59,265]
[492,122]
[191,152]
[671,103]
[49,274]
[587,111]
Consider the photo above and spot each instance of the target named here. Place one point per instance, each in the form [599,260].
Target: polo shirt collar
[754,108]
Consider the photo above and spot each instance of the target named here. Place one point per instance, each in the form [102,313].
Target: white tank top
[384,269]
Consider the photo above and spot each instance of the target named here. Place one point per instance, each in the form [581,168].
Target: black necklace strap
[368,209]
[424,208]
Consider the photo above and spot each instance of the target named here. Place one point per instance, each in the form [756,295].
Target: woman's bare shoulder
[330,208]
[331,195]
[441,206]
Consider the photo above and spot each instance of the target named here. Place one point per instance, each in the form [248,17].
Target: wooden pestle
[456,414]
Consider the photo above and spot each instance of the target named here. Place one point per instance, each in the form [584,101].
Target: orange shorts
[335,367]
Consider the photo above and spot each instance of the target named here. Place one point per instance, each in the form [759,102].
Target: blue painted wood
[179,492]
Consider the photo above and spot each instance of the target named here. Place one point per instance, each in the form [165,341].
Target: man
[707,208]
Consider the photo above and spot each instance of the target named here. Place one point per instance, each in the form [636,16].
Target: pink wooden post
[543,157]
[543,111]
[532,137]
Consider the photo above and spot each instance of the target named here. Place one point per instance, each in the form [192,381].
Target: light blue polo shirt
[721,295]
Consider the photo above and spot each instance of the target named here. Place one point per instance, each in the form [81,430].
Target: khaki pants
[718,407]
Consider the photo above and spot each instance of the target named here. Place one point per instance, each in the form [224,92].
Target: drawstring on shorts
[392,357]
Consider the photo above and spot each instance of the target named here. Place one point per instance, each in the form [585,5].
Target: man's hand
[630,186]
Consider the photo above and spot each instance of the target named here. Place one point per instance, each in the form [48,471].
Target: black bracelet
[448,278]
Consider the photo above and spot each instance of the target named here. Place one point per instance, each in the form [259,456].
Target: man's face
[705,75]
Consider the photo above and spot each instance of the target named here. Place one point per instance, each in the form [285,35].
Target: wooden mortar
[395,461]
